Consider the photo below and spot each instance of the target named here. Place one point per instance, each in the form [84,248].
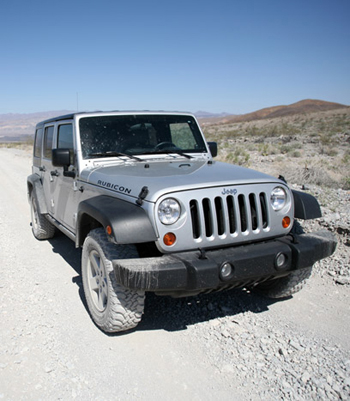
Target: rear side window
[48,138]
[38,142]
[65,138]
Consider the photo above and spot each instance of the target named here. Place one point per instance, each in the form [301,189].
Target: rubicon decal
[113,187]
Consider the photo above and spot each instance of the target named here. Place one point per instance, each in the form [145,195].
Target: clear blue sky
[223,55]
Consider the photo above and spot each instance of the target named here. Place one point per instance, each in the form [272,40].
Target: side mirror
[213,147]
[61,158]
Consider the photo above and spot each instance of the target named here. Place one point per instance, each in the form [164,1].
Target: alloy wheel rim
[97,281]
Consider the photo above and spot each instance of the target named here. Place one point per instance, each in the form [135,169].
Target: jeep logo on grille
[229,191]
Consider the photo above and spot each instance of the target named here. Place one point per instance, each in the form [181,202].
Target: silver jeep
[141,194]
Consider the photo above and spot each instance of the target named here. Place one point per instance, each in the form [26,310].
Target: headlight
[278,198]
[169,211]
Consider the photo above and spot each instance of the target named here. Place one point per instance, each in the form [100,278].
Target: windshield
[139,134]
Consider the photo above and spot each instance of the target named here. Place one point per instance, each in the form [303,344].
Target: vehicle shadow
[167,313]
[174,314]
[65,247]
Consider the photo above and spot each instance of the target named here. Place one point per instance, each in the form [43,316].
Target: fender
[306,206]
[35,185]
[130,223]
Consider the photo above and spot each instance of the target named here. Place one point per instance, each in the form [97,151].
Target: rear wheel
[112,307]
[41,227]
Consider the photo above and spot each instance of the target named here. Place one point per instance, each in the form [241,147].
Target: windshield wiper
[112,154]
[168,152]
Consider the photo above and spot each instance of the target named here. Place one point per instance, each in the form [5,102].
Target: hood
[162,177]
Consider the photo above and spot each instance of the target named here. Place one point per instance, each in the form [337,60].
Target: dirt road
[227,346]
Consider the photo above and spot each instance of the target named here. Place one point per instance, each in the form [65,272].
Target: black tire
[286,286]
[41,227]
[112,307]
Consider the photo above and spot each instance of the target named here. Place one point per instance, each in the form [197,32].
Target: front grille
[231,215]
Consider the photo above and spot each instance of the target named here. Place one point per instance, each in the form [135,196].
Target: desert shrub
[290,148]
[239,156]
[346,183]
[286,149]
[346,157]
[331,152]
[313,174]
[233,133]
[264,149]
[252,131]
[325,139]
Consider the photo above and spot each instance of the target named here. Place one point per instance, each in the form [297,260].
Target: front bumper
[195,271]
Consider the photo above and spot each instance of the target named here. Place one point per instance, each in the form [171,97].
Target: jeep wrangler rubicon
[151,209]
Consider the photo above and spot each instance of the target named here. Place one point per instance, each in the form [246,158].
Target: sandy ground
[50,349]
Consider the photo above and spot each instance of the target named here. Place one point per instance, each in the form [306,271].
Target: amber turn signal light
[169,239]
[109,230]
[286,222]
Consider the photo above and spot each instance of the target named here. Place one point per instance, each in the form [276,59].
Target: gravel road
[227,346]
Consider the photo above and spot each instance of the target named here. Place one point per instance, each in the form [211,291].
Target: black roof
[58,118]
[70,116]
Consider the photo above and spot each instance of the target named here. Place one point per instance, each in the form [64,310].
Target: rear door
[46,167]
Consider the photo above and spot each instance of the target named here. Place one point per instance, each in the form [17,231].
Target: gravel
[228,345]
[275,359]
[335,206]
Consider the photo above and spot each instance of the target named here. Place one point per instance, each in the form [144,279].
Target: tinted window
[38,142]
[48,138]
[65,138]
[139,134]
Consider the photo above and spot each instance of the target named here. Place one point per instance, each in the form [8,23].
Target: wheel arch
[129,223]
[35,185]
[306,206]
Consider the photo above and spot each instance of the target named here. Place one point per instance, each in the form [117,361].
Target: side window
[65,139]
[48,138]
[38,142]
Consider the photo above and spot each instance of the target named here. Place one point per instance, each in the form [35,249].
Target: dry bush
[312,175]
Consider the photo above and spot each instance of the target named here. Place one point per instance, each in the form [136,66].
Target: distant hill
[205,114]
[302,107]
[14,127]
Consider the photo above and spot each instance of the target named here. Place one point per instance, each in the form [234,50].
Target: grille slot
[195,219]
[220,216]
[244,214]
[208,217]
[231,214]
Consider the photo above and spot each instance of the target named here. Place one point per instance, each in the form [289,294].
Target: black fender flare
[306,206]
[34,184]
[129,222]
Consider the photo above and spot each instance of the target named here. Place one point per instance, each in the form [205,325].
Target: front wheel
[284,286]
[112,307]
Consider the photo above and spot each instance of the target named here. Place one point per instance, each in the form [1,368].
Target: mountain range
[16,127]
